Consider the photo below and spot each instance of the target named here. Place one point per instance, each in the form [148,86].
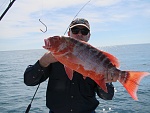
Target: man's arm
[39,72]
[106,96]
[35,74]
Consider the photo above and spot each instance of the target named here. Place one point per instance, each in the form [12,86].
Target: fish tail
[130,80]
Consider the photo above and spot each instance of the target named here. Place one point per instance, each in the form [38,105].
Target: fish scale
[80,50]
[86,56]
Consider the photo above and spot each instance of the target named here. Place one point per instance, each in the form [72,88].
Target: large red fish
[91,62]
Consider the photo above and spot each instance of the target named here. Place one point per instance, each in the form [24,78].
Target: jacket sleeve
[35,74]
[106,96]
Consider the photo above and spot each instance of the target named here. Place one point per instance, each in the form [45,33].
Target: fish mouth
[47,44]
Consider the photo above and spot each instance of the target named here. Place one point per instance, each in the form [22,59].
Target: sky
[112,22]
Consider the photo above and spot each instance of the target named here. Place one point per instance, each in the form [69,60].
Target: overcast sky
[113,22]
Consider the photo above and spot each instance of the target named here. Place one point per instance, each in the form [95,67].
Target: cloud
[22,20]
[104,3]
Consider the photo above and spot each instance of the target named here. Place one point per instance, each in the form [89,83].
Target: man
[64,95]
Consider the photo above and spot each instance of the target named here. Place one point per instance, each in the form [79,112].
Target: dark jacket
[64,95]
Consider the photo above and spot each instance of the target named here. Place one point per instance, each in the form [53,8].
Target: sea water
[15,96]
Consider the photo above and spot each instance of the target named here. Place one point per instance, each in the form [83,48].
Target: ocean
[15,96]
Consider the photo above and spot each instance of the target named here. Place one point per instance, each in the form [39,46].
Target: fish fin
[84,77]
[131,82]
[112,58]
[69,72]
[101,83]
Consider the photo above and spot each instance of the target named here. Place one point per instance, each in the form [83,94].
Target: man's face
[79,32]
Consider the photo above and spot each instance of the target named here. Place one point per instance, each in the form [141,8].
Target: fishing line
[77,14]
[3,4]
[44,31]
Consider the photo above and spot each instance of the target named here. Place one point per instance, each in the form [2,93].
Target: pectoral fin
[101,83]
[113,59]
[69,72]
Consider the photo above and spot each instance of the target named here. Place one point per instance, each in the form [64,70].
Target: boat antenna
[77,14]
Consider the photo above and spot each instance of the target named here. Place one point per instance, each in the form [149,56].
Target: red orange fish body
[90,62]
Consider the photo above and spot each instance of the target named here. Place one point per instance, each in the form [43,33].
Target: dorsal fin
[112,58]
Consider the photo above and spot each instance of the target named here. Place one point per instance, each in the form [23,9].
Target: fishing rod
[10,4]
[29,106]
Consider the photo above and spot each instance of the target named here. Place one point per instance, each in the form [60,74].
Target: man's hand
[110,76]
[46,59]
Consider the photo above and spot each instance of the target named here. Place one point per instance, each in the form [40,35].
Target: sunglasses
[84,31]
